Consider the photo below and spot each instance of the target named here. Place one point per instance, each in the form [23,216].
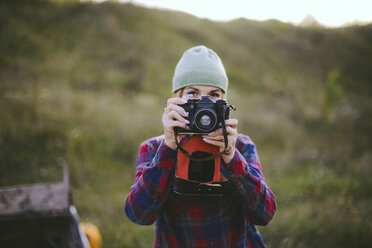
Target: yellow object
[92,233]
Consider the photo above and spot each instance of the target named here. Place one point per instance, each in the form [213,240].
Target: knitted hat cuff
[200,78]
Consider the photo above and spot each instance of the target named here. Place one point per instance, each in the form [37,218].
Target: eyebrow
[196,89]
[215,91]
[192,88]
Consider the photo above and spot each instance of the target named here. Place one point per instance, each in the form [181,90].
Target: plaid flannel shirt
[201,221]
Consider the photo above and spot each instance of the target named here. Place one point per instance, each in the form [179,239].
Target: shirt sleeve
[155,164]
[249,186]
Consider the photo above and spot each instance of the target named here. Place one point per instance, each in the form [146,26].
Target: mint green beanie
[200,66]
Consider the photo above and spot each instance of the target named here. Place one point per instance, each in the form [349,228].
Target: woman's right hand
[173,116]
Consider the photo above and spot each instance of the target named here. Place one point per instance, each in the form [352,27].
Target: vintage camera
[205,116]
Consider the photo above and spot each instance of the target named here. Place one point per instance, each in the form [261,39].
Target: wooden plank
[36,198]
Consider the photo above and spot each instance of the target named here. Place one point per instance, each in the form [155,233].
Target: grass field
[88,82]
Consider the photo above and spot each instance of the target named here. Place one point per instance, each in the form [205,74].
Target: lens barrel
[205,119]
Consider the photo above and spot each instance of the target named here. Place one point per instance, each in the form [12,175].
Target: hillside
[88,82]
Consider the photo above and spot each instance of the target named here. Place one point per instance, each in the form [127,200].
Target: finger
[174,115]
[231,130]
[177,108]
[171,124]
[230,140]
[176,100]
[216,132]
[214,142]
[231,122]
[174,124]
[217,137]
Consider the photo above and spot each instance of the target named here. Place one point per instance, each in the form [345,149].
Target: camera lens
[205,120]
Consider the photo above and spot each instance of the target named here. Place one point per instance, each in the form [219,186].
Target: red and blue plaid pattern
[201,221]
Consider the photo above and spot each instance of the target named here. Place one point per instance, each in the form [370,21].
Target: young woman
[226,220]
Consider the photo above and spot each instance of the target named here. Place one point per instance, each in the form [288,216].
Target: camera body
[205,116]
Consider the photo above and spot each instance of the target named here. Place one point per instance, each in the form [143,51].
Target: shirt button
[211,243]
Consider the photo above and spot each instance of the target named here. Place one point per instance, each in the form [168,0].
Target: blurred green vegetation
[88,81]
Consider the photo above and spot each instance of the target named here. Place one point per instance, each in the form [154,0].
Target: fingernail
[186,114]
[187,121]
[211,133]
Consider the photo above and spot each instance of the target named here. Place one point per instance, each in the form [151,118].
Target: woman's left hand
[216,138]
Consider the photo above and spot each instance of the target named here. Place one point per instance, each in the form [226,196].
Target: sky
[327,12]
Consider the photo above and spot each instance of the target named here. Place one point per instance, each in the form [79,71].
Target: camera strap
[191,188]
[212,156]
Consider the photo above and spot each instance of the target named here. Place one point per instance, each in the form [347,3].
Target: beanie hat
[200,66]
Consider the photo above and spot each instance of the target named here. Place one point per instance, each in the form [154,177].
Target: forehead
[203,88]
